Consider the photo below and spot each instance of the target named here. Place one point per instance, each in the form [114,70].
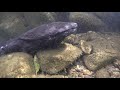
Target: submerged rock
[14,64]
[35,19]
[62,16]
[41,76]
[96,21]
[54,60]
[101,48]
[98,60]
[78,70]
[113,70]
[11,24]
[87,21]
[102,73]
[86,48]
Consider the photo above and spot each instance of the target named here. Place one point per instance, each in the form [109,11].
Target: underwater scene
[59,44]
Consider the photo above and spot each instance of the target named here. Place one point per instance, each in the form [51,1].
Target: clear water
[14,24]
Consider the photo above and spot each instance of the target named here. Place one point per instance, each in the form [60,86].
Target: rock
[102,73]
[11,24]
[62,16]
[56,76]
[115,74]
[82,38]
[117,63]
[87,72]
[73,39]
[98,60]
[113,70]
[96,21]
[15,64]
[102,48]
[41,76]
[35,19]
[87,21]
[110,19]
[86,48]
[54,60]
[105,50]
[79,71]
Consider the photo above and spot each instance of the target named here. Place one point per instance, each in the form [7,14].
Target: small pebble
[87,72]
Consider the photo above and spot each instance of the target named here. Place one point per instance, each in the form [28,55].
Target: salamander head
[59,30]
[65,28]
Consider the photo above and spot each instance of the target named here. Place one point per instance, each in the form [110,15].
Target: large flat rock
[54,60]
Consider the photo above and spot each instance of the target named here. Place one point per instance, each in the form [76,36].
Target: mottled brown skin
[42,37]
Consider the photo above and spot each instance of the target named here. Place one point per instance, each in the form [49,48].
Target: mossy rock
[102,73]
[14,64]
[54,60]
